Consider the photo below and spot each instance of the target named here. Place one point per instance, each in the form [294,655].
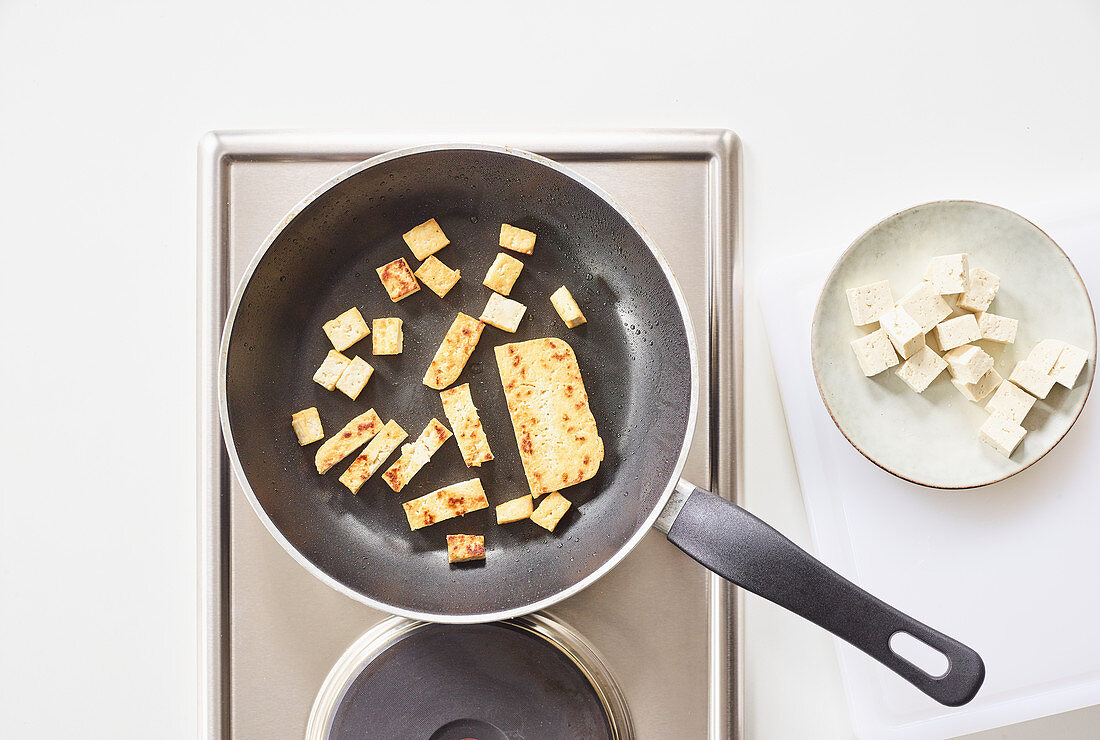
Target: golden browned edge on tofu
[446,503]
[459,407]
[551,510]
[430,440]
[398,279]
[454,351]
[463,547]
[355,433]
[517,239]
[373,455]
[550,413]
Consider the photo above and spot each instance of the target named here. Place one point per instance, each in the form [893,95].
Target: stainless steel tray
[667,629]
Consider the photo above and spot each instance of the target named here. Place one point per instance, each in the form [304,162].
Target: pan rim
[339,586]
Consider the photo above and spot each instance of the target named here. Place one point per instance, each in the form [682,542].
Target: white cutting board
[1011,569]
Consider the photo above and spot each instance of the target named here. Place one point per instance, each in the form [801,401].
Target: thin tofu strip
[372,457]
[416,455]
[470,435]
[453,352]
[357,432]
[446,503]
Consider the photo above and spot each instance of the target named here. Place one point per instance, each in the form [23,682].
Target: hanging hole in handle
[921,654]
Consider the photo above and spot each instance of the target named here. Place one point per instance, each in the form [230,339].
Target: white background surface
[848,112]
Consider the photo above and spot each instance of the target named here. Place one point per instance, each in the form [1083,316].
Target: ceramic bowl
[932,438]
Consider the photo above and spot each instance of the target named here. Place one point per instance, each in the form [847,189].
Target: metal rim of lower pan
[375,641]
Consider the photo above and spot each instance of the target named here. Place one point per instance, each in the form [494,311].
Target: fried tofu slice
[331,369]
[354,378]
[567,308]
[437,276]
[454,351]
[559,444]
[416,455]
[516,239]
[503,313]
[458,404]
[355,433]
[373,455]
[462,548]
[551,510]
[307,426]
[446,503]
[503,273]
[398,279]
[426,239]
[388,339]
[346,329]
[515,510]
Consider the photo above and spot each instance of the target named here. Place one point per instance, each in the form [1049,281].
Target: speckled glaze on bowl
[932,438]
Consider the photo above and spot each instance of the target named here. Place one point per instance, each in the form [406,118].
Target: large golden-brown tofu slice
[458,404]
[416,455]
[373,455]
[446,503]
[454,351]
[355,433]
[464,547]
[559,444]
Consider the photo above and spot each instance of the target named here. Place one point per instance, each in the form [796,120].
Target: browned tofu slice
[373,455]
[356,433]
[516,239]
[515,510]
[551,510]
[398,279]
[464,547]
[558,441]
[416,455]
[458,404]
[446,503]
[454,351]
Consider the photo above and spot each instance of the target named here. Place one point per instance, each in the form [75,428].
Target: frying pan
[638,359]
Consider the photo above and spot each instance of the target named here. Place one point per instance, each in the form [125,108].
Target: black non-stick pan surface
[634,356]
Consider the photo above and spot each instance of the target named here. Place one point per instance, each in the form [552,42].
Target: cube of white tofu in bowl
[997,328]
[904,331]
[980,292]
[346,329]
[948,273]
[874,352]
[925,305]
[1071,361]
[503,313]
[1031,378]
[921,369]
[1010,402]
[957,332]
[1001,434]
[968,363]
[868,302]
[1044,354]
[567,308]
[983,387]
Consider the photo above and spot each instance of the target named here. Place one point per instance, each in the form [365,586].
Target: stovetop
[666,629]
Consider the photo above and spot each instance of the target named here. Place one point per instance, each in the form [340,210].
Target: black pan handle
[739,547]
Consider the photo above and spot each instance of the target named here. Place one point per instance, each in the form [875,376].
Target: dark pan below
[634,356]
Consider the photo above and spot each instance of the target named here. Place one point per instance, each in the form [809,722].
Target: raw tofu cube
[515,510]
[503,313]
[551,510]
[977,391]
[567,308]
[458,404]
[425,239]
[921,369]
[307,426]
[331,369]
[1044,354]
[1001,434]
[957,332]
[454,351]
[465,547]
[868,302]
[1011,403]
[997,328]
[373,455]
[416,455]
[503,273]
[355,378]
[874,352]
[1071,360]
[437,276]
[446,503]
[346,329]
[388,339]
[925,305]
[948,274]
[968,363]
[516,239]
[1032,379]
[398,279]
[981,291]
[904,331]
[355,433]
